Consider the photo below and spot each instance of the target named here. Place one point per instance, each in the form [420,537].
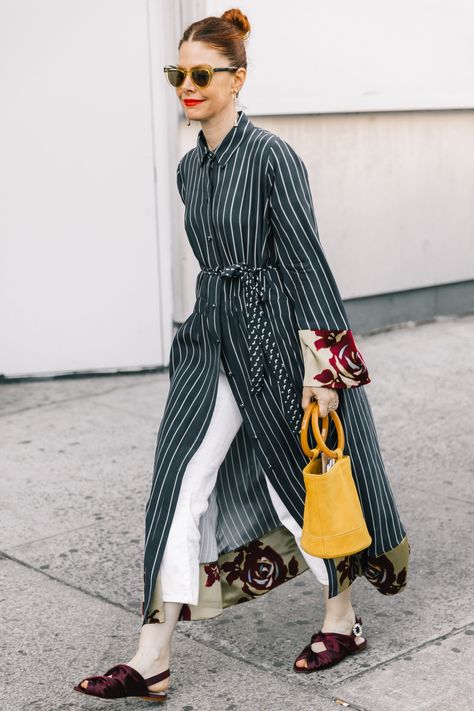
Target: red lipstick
[192,102]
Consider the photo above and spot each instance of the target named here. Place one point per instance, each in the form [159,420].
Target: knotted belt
[260,336]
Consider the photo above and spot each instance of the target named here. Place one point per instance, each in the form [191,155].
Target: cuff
[332,359]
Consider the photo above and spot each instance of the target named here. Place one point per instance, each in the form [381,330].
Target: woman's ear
[239,79]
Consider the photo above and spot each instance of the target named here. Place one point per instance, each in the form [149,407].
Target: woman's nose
[187,83]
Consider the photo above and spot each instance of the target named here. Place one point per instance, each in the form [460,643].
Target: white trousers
[179,570]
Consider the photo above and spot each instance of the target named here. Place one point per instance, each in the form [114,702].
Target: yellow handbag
[334,523]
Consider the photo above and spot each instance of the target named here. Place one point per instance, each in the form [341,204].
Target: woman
[268,333]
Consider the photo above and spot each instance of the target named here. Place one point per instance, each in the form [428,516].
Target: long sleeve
[330,355]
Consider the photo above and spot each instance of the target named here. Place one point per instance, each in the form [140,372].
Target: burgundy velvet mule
[337,645]
[122,680]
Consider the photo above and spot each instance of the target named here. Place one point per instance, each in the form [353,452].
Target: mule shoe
[338,646]
[121,681]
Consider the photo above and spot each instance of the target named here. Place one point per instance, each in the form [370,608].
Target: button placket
[210,164]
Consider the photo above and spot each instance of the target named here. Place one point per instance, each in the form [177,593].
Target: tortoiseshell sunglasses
[201,75]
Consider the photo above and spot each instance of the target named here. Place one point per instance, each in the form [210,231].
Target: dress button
[229,372]
[241,404]
[218,340]
[255,436]
[213,306]
[209,237]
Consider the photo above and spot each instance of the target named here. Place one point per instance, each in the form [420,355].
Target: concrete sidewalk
[76,464]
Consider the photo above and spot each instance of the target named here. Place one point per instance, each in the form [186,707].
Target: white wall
[80,256]
[310,56]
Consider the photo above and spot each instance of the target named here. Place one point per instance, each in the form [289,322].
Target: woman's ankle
[341,619]
[152,655]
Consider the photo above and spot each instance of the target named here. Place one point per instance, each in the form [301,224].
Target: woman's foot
[148,666]
[153,653]
[341,626]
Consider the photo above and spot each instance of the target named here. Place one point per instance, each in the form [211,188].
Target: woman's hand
[327,398]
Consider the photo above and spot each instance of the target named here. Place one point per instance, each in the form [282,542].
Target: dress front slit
[192,536]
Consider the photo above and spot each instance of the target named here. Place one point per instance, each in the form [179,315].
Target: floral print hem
[253,569]
[332,359]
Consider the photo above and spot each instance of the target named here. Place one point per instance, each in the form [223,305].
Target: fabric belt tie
[260,336]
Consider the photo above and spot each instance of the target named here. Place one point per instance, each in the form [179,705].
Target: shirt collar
[228,144]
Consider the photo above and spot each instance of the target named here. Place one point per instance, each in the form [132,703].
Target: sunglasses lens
[201,77]
[175,77]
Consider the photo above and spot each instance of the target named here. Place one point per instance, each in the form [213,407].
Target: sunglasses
[200,75]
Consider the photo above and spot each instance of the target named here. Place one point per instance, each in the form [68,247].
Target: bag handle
[311,453]
[338,452]
[312,411]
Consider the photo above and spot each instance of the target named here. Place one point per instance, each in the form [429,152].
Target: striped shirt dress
[267,311]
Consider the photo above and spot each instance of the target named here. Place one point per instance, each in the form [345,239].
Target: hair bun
[237,18]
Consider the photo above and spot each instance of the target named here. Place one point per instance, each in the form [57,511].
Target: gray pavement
[76,459]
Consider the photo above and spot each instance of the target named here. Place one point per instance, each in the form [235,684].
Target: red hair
[226,34]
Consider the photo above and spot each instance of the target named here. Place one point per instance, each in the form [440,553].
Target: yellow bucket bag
[334,524]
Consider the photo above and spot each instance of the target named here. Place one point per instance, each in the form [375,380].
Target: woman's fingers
[323,407]
[327,398]
[324,398]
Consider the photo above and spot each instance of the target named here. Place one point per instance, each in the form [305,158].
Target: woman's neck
[215,132]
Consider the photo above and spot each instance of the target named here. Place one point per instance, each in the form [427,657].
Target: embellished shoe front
[338,646]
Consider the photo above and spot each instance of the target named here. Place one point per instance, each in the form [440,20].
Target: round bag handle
[338,452]
[311,453]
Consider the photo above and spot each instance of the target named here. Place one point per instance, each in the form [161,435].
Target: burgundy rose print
[351,566]
[327,377]
[263,568]
[259,568]
[293,567]
[233,566]
[381,573]
[152,617]
[345,359]
[343,568]
[213,574]
[185,613]
[326,338]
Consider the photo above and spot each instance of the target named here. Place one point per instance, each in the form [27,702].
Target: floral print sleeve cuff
[332,359]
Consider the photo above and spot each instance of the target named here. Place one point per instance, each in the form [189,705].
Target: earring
[235,109]
[242,106]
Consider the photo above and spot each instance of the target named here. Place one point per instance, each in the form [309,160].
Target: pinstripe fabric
[250,203]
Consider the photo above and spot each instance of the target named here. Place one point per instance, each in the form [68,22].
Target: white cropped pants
[179,570]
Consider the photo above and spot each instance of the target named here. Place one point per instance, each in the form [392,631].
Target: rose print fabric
[265,563]
[332,359]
